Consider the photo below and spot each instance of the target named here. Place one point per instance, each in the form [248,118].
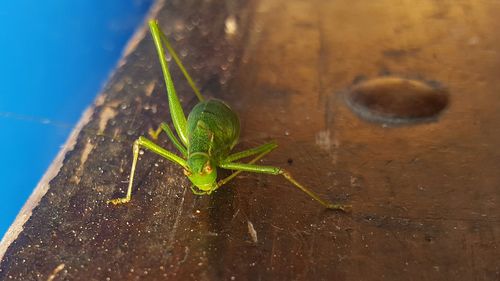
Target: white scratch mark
[150,88]
[107,114]
[231,26]
[252,232]
[323,139]
[55,272]
[85,155]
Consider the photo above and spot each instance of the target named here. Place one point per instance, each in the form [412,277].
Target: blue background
[55,57]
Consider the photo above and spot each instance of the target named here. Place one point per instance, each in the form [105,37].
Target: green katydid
[206,138]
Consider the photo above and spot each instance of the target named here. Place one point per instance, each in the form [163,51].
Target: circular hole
[397,100]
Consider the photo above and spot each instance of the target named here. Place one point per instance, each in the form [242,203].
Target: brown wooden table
[425,195]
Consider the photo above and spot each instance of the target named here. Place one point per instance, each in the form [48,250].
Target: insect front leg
[144,142]
[278,171]
[164,127]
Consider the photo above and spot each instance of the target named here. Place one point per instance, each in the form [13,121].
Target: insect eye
[208,169]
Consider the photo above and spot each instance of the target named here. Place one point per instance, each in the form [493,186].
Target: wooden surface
[425,195]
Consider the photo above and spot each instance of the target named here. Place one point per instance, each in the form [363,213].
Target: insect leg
[164,127]
[144,142]
[176,111]
[278,171]
[263,150]
[181,66]
[252,151]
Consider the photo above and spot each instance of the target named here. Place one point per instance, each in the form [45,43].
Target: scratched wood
[425,196]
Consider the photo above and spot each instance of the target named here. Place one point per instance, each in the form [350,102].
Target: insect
[205,138]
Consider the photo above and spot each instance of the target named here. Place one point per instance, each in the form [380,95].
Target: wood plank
[425,195]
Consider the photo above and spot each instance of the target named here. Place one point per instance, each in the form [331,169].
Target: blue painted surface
[55,56]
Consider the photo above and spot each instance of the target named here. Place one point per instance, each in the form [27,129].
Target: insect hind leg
[271,170]
[176,111]
[180,65]
[262,151]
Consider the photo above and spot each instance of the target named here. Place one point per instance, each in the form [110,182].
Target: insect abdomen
[213,128]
